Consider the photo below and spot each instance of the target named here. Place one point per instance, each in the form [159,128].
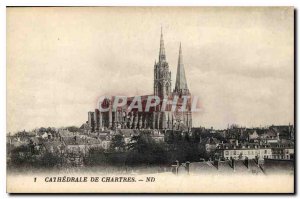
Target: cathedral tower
[162,75]
[183,118]
[181,87]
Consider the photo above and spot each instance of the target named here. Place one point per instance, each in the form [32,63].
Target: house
[270,136]
[44,135]
[53,147]
[37,143]
[93,143]
[232,167]
[105,135]
[253,135]
[17,141]
[66,133]
[75,145]
[242,151]
[286,131]
[210,144]
[127,134]
[105,144]
[283,150]
[157,135]
[222,133]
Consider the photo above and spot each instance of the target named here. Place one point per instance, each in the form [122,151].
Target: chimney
[176,167]
[187,167]
[257,160]
[233,164]
[177,163]
[247,162]
[216,163]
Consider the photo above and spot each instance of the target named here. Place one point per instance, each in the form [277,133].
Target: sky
[238,61]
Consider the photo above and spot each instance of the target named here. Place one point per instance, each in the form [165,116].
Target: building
[75,145]
[283,151]
[253,136]
[91,120]
[157,117]
[237,151]
[280,150]
[226,167]
[53,147]
[235,167]
[210,144]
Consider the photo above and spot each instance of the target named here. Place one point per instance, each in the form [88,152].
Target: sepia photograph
[150,100]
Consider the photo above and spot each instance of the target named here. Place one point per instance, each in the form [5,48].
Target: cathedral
[157,117]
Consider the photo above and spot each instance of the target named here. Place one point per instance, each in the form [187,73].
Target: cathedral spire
[162,55]
[180,85]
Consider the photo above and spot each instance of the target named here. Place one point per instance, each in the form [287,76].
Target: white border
[148,3]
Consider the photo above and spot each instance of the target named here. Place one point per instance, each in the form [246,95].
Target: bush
[48,160]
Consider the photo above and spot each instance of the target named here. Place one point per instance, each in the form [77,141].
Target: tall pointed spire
[162,54]
[162,75]
[180,85]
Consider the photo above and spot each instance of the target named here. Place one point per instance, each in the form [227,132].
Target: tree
[22,134]
[21,155]
[234,126]
[177,137]
[96,156]
[186,137]
[49,160]
[186,148]
[73,129]
[141,143]
[117,142]
[144,150]
[170,137]
[42,129]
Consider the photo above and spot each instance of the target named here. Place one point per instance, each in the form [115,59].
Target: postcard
[150,100]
